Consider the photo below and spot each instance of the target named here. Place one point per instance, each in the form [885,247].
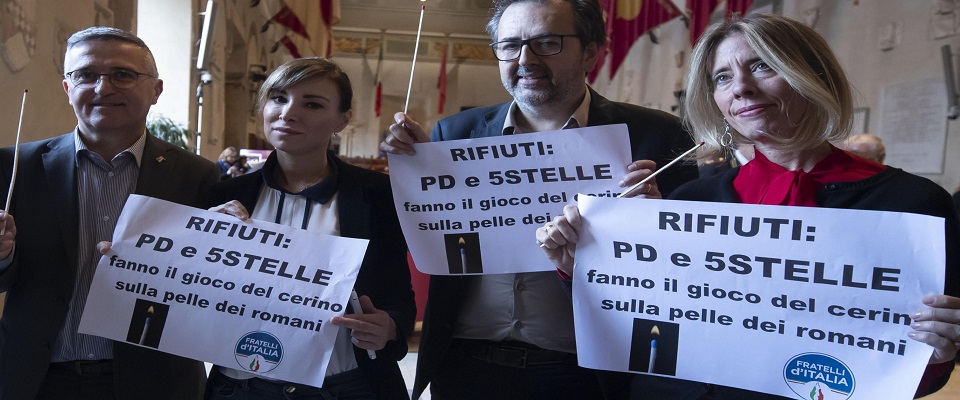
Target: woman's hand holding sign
[372,329]
[234,208]
[938,326]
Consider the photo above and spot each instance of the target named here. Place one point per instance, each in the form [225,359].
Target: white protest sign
[248,295]
[783,300]
[471,206]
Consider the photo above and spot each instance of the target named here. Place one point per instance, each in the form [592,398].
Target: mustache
[524,70]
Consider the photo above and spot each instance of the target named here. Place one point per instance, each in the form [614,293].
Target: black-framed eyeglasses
[120,78]
[545,45]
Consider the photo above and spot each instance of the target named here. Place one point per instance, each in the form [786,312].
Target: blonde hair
[798,54]
[227,152]
[865,145]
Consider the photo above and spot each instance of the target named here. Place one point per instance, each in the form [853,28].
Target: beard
[542,93]
[551,91]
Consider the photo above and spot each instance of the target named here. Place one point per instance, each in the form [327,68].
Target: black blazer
[40,282]
[654,135]
[366,211]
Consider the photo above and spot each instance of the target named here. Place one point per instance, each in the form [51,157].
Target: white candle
[16,157]
[463,254]
[657,172]
[416,47]
[653,355]
[146,326]
[655,332]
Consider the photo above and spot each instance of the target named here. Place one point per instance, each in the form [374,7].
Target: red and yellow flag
[700,11]
[629,20]
[737,7]
[308,25]
[378,99]
[442,81]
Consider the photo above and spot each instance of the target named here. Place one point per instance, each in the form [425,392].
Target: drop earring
[726,140]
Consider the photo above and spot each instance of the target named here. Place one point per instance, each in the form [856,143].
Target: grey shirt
[530,307]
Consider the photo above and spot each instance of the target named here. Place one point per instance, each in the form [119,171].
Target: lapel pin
[160,159]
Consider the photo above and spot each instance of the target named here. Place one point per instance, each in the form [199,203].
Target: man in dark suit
[68,195]
[510,336]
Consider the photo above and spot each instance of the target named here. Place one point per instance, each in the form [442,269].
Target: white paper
[248,295]
[492,193]
[729,309]
[915,125]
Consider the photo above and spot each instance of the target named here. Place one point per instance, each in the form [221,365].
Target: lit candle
[653,349]
[146,326]
[463,254]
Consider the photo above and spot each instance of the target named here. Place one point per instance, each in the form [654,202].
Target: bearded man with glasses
[67,198]
[510,336]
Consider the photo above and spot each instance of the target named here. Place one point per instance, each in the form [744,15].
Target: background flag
[290,46]
[378,99]
[303,27]
[287,18]
[442,82]
[737,7]
[700,11]
[608,7]
[631,19]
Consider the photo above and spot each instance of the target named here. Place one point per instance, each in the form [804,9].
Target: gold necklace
[309,184]
[288,185]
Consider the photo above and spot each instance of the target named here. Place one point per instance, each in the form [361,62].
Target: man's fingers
[104,247]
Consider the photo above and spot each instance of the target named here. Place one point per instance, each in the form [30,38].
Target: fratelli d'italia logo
[259,352]
[815,376]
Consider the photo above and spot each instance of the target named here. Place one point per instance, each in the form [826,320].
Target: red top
[762,182]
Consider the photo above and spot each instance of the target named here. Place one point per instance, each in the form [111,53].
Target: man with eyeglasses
[510,336]
[69,193]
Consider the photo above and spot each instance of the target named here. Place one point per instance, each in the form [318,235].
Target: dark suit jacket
[654,135]
[727,161]
[39,283]
[366,211]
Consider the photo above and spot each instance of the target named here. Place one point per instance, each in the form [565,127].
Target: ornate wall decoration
[18,32]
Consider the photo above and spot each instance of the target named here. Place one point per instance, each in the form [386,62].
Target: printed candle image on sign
[146,324]
[259,352]
[817,376]
[453,196]
[654,347]
[210,287]
[463,253]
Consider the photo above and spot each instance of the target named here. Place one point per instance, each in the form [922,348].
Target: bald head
[865,145]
